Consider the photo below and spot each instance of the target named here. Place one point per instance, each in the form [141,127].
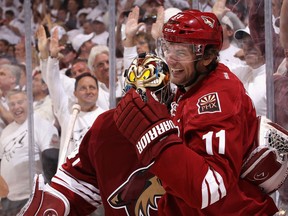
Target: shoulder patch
[209,103]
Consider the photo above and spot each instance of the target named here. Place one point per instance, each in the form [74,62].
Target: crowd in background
[80,73]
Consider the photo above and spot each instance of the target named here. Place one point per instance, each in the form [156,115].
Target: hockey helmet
[195,28]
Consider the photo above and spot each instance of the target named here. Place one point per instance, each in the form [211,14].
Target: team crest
[139,194]
[209,103]
[209,21]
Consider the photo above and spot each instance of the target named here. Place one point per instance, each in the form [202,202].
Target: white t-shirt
[227,56]
[14,154]
[256,89]
[63,110]
[44,108]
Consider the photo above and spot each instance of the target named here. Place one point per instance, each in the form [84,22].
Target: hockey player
[216,120]
[106,164]
[198,154]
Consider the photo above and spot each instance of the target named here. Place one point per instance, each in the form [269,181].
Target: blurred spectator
[101,34]
[79,66]
[229,49]
[11,28]
[144,43]
[71,20]
[97,9]
[14,152]
[239,8]
[9,80]
[68,56]
[98,62]
[87,27]
[257,28]
[4,46]
[81,17]
[256,80]
[20,51]
[42,103]
[82,44]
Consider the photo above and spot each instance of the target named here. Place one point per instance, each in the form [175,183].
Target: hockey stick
[63,151]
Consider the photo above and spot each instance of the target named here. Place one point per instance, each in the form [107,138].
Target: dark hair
[78,78]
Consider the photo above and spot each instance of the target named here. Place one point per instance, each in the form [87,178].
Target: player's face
[18,106]
[86,92]
[180,60]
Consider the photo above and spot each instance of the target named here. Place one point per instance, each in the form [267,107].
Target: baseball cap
[84,11]
[226,20]
[80,39]
[169,12]
[240,33]
[99,19]
[61,31]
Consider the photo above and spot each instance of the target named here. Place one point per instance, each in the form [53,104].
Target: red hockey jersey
[106,169]
[217,122]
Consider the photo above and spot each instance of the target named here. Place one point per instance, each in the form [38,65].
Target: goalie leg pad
[45,201]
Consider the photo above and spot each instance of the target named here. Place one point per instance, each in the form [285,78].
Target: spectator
[14,152]
[85,92]
[255,83]
[101,34]
[78,67]
[4,46]
[82,44]
[9,80]
[42,103]
[98,62]
[229,49]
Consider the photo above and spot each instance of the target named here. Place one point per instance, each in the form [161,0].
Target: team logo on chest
[139,194]
[209,103]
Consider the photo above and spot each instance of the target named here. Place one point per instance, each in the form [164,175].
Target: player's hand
[146,124]
[45,200]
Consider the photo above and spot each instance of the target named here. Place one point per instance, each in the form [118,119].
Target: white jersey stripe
[88,192]
[213,188]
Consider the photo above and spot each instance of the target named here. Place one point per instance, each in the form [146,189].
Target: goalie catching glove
[45,201]
[267,164]
[145,123]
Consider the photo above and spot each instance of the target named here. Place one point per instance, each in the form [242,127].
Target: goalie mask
[148,71]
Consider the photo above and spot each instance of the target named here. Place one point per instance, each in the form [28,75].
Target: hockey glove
[267,164]
[146,123]
[45,201]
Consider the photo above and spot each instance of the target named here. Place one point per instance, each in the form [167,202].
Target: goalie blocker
[267,165]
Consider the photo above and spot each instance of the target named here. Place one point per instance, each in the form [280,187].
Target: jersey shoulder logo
[209,103]
[138,195]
